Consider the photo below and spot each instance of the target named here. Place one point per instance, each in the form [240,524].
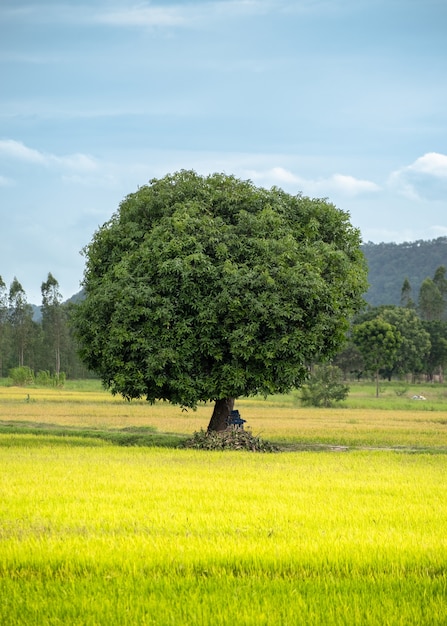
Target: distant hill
[390,263]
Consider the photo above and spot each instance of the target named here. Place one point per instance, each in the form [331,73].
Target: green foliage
[415,340]
[378,341]
[21,376]
[431,302]
[201,288]
[436,359]
[324,387]
[230,439]
[45,379]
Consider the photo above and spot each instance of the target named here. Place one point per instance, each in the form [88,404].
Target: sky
[340,99]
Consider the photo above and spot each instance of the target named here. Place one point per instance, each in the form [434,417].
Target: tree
[378,342]
[209,288]
[440,280]
[430,302]
[405,295]
[21,319]
[53,320]
[415,340]
[324,387]
[436,359]
[3,321]
[349,360]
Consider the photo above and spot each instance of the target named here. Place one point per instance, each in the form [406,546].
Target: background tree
[406,299]
[415,340]
[3,321]
[53,320]
[441,283]
[378,342]
[324,387]
[209,288]
[430,302]
[349,360]
[436,359]
[21,320]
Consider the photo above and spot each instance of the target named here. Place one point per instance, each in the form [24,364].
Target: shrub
[21,376]
[45,379]
[324,387]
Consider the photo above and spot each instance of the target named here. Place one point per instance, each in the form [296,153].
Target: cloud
[340,183]
[16,150]
[425,178]
[145,16]
[431,163]
[5,182]
[148,14]
[351,186]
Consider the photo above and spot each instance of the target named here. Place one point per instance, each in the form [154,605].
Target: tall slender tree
[3,321]
[21,319]
[430,302]
[406,299]
[53,320]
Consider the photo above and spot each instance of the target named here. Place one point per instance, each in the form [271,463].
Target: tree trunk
[221,413]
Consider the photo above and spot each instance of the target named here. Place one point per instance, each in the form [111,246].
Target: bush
[230,439]
[21,376]
[325,387]
[45,379]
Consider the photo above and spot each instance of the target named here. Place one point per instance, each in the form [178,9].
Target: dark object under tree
[209,288]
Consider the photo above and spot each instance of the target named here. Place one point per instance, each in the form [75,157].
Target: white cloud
[431,163]
[340,183]
[145,16]
[351,186]
[16,150]
[425,178]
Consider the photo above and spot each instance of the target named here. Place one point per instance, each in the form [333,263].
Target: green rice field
[346,525]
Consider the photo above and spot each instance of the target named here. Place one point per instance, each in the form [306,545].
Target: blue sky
[344,99]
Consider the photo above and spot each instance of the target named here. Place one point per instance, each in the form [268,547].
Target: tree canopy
[209,288]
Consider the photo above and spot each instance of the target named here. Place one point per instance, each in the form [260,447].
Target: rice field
[92,533]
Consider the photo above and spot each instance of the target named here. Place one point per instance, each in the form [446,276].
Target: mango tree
[207,288]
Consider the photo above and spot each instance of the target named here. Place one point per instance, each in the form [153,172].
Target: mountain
[390,263]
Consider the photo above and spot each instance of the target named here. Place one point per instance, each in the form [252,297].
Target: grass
[360,422]
[93,531]
[133,536]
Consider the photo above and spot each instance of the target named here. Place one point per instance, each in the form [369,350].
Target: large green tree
[209,288]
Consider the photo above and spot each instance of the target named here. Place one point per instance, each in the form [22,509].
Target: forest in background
[389,264]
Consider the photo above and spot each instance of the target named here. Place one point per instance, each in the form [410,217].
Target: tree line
[409,339]
[386,341]
[46,346]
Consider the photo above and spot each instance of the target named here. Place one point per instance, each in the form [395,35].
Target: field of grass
[92,533]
